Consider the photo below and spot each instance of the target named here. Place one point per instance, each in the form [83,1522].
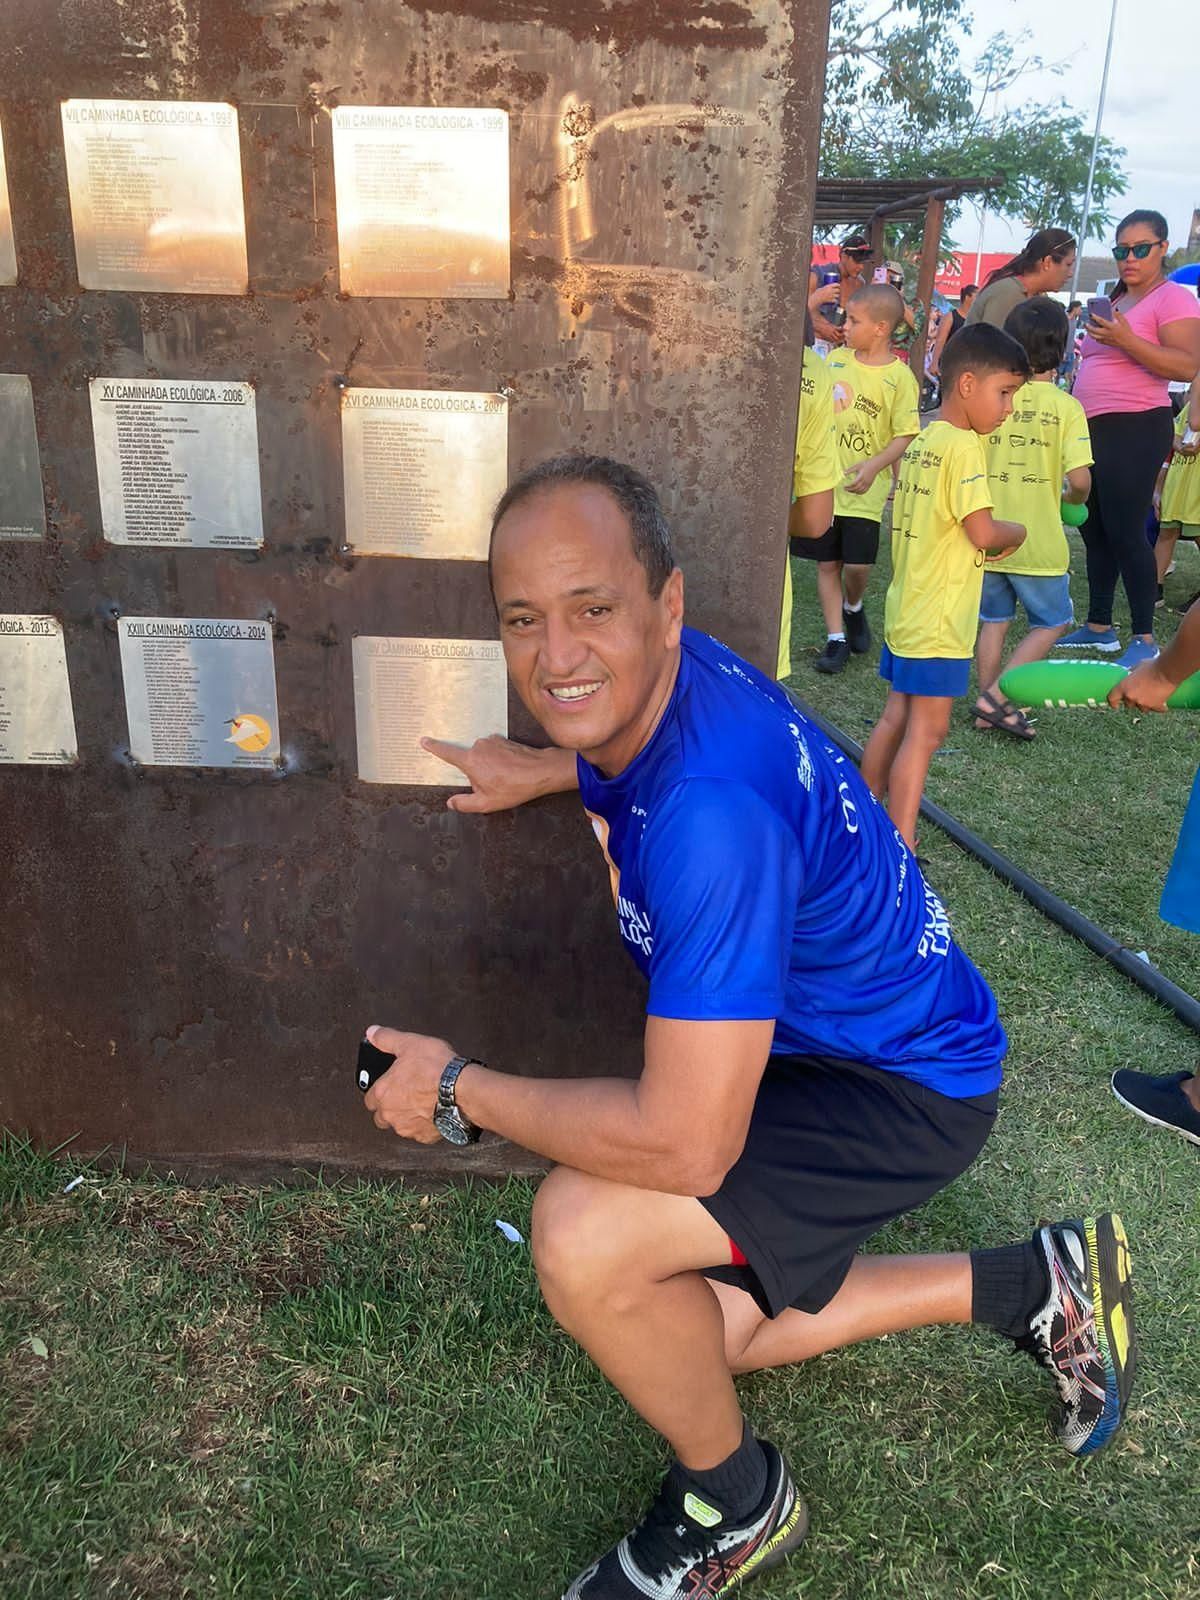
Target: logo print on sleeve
[935,940]
[635,925]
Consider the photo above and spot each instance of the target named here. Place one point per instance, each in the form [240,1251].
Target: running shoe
[858,630]
[1159,1100]
[834,656]
[1137,651]
[1083,1333]
[684,1549]
[1107,643]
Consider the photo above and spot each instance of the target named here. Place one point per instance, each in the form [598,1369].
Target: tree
[901,101]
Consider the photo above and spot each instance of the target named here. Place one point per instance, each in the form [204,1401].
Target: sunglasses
[1139,252]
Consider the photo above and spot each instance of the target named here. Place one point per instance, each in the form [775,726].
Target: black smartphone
[372,1064]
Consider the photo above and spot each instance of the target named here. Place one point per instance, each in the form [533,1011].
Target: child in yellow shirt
[942,524]
[875,404]
[815,475]
[1036,459]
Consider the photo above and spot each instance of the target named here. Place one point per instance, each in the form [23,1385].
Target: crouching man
[820,1057]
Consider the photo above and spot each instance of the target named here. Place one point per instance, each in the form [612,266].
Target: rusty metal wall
[187,956]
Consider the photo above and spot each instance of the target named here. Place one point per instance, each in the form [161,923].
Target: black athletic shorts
[852,539]
[835,1150]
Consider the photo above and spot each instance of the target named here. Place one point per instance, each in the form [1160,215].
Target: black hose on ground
[1148,978]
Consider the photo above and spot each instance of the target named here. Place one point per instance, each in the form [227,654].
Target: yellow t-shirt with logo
[1045,437]
[1181,491]
[815,468]
[871,406]
[932,606]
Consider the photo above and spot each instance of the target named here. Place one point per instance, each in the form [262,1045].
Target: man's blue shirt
[756,876]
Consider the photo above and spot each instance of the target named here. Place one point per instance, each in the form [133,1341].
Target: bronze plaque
[8,249]
[199,691]
[22,505]
[156,195]
[423,470]
[37,726]
[405,689]
[177,462]
[422,201]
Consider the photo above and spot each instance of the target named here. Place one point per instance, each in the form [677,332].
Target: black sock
[1008,1286]
[737,1484]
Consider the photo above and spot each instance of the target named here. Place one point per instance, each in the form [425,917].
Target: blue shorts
[1180,902]
[928,675]
[1047,600]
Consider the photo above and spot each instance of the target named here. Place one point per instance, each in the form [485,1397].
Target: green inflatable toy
[1081,683]
[1073,516]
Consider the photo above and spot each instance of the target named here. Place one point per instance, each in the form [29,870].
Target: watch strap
[446,1085]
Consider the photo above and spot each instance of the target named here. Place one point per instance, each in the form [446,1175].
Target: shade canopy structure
[871,203]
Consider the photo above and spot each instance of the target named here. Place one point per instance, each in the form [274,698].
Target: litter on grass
[74,1183]
[509,1232]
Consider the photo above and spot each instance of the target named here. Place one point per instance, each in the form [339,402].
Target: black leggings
[1129,447]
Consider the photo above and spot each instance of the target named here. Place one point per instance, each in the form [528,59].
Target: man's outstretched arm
[504,774]
[678,1128]
[1149,686]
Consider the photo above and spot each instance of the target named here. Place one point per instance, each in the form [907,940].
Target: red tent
[963,268]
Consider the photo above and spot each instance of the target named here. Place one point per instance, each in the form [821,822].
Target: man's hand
[504,774]
[405,1098]
[859,479]
[1147,688]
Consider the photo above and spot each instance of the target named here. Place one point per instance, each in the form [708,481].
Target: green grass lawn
[315,1393]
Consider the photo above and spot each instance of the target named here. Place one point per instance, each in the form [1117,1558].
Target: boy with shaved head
[875,404]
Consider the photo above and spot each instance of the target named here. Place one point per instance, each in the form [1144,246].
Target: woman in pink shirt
[1125,366]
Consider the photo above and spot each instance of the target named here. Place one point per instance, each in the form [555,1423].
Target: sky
[1151,106]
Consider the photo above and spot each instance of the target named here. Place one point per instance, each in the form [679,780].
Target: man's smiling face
[592,653]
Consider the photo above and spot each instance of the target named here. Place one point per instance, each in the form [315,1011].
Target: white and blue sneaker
[1083,1332]
[1085,638]
[1136,652]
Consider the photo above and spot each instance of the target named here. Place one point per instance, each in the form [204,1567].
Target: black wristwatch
[449,1121]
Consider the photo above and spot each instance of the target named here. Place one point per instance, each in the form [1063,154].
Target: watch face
[450,1128]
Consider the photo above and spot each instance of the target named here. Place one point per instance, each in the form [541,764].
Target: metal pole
[1087,193]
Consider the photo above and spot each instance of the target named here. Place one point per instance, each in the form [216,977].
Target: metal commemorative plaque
[156,195]
[422,201]
[423,470]
[404,689]
[37,725]
[22,504]
[177,462]
[199,691]
[8,248]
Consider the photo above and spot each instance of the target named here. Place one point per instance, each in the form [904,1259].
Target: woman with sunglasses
[1126,363]
[1043,267]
